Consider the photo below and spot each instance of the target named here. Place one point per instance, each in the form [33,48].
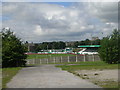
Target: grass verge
[98,65]
[107,84]
[7,74]
[88,66]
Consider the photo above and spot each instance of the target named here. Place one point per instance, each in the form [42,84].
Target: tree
[87,42]
[76,44]
[12,50]
[38,47]
[109,51]
[0,50]
[61,45]
[82,43]
[96,42]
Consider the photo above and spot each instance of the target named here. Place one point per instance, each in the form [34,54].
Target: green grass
[0,78]
[88,66]
[107,84]
[40,56]
[100,65]
[7,74]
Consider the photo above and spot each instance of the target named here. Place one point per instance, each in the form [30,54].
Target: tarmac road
[47,76]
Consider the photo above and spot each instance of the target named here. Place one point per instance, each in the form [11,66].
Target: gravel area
[47,76]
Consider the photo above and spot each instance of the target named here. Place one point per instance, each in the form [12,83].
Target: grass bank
[98,65]
[7,74]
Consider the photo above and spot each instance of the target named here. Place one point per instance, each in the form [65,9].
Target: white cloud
[48,22]
[60,0]
[106,11]
[38,30]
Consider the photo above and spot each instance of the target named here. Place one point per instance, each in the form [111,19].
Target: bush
[12,50]
[109,51]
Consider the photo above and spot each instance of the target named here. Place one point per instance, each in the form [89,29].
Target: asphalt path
[47,76]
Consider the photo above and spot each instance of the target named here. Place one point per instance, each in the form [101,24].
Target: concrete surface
[47,76]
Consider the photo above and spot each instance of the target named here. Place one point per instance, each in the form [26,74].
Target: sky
[60,21]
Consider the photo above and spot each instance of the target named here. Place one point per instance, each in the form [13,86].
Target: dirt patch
[99,76]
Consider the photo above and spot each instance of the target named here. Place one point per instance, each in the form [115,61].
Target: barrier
[62,59]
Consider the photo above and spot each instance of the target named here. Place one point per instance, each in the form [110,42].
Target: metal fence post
[47,60]
[84,58]
[61,59]
[54,59]
[76,59]
[50,59]
[68,59]
[40,61]
[28,62]
[33,61]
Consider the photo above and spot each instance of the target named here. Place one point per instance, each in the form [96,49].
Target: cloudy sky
[60,21]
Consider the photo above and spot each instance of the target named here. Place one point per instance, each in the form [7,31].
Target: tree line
[50,45]
[86,42]
[60,45]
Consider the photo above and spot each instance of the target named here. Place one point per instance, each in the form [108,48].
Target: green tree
[109,51]
[96,42]
[82,43]
[87,42]
[38,47]
[0,50]
[61,45]
[12,50]
[76,44]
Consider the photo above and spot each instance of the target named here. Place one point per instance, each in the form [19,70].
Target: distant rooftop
[81,46]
